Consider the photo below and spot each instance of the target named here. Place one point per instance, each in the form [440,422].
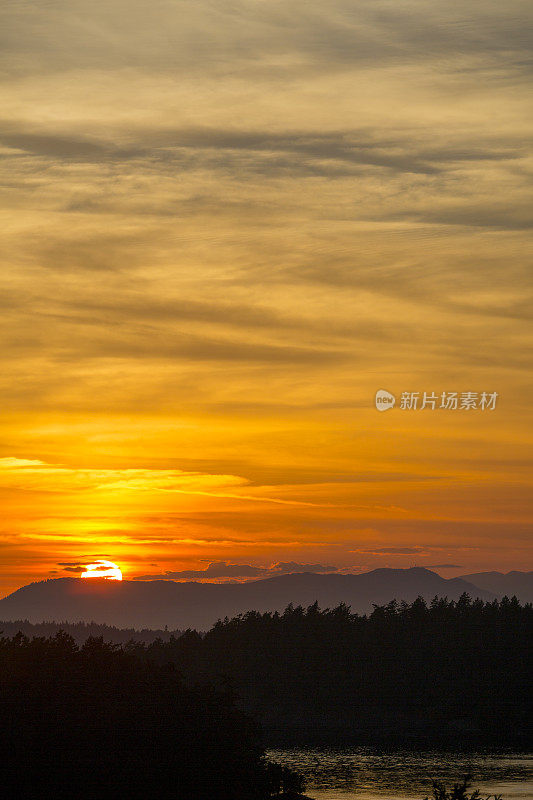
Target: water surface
[369,774]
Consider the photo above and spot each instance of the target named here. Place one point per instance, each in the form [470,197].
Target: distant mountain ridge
[156,604]
[510,583]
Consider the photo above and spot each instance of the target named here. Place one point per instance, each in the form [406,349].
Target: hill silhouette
[519,584]
[156,604]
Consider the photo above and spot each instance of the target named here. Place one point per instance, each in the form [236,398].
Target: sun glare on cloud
[102,569]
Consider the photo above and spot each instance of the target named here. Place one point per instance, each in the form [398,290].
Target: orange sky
[224,229]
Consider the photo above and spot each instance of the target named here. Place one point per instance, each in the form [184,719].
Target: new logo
[384,400]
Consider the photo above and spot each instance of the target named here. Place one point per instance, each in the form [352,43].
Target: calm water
[366,774]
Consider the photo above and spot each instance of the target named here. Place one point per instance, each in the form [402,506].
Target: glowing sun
[102,569]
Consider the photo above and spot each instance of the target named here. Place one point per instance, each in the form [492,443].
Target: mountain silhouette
[510,583]
[154,604]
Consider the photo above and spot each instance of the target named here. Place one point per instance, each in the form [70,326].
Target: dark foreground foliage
[460,791]
[98,721]
[452,673]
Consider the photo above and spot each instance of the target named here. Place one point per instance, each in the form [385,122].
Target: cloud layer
[224,227]
[222,569]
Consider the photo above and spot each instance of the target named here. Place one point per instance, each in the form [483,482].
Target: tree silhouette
[459,791]
[102,720]
[402,673]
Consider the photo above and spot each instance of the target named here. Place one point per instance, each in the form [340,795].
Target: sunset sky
[225,226]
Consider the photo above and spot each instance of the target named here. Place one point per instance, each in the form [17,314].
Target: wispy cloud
[217,570]
[394,551]
[39,476]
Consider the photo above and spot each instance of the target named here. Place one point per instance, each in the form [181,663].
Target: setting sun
[103,569]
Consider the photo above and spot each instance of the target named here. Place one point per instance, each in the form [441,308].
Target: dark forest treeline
[174,719]
[103,720]
[453,671]
[81,631]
